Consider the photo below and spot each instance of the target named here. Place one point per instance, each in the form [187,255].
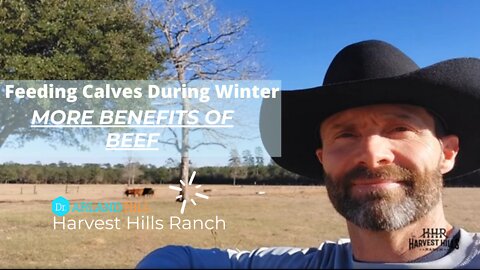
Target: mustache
[393,171]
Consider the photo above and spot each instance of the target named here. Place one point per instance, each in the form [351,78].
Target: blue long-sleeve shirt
[328,255]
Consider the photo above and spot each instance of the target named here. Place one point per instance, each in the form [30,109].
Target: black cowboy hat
[375,72]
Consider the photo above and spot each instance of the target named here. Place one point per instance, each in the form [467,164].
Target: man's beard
[386,209]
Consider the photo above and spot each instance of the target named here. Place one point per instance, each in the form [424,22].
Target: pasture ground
[284,216]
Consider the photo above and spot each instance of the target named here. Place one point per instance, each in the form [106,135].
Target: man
[383,132]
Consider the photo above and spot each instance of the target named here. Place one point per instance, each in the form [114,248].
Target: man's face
[383,164]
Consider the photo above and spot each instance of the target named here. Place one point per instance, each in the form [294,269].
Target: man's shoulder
[325,247]
[328,255]
[341,242]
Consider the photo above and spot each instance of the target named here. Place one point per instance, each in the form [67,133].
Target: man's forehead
[402,111]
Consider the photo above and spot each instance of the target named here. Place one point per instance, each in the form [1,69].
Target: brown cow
[135,192]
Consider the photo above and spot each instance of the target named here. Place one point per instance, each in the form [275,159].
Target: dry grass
[285,215]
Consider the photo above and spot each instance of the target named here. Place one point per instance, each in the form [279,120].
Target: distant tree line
[247,168]
[239,174]
[66,173]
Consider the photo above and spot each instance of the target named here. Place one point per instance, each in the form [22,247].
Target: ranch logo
[61,206]
[184,203]
[433,239]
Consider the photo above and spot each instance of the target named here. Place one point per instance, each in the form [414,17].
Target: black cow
[148,192]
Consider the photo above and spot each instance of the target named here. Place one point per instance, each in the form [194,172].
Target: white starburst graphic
[184,203]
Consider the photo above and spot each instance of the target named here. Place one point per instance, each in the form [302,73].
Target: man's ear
[450,147]
[319,153]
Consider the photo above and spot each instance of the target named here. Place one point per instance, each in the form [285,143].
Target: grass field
[283,216]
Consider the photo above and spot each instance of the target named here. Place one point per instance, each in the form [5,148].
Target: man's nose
[375,151]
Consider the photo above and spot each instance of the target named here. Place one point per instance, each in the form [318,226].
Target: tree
[259,156]
[234,162]
[248,159]
[94,174]
[132,170]
[198,44]
[68,40]
[258,159]
[7,173]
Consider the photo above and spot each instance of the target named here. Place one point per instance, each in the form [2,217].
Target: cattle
[148,192]
[137,192]
[134,192]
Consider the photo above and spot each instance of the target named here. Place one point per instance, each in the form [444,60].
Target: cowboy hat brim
[450,89]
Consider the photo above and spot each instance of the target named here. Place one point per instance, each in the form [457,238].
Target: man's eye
[345,135]
[400,129]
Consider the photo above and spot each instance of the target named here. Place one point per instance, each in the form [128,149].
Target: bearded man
[384,134]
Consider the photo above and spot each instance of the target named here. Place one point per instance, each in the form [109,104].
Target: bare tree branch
[208,143]
[176,140]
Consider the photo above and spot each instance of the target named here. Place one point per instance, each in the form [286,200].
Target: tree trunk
[133,174]
[185,161]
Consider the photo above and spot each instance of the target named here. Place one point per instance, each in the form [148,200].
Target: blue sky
[299,39]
